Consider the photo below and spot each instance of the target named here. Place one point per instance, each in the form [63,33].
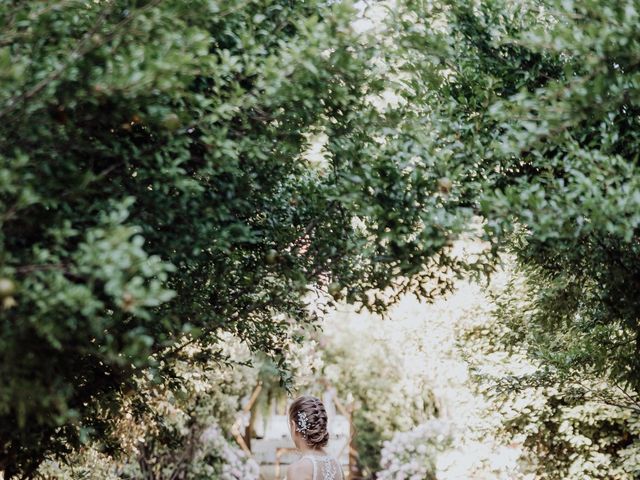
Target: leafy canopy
[534,109]
[156,189]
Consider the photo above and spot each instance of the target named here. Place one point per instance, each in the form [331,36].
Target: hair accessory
[302,423]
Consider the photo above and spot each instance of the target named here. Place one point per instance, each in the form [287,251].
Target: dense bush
[533,107]
[174,431]
[207,455]
[575,428]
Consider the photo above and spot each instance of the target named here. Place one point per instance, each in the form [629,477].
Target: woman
[308,425]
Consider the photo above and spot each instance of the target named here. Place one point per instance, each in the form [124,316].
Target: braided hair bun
[310,418]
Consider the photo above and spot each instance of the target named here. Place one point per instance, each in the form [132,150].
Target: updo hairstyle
[310,419]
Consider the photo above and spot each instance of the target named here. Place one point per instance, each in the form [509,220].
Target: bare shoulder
[300,470]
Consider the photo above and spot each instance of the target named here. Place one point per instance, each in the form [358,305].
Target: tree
[533,108]
[156,192]
[573,428]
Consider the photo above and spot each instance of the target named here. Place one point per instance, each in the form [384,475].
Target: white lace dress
[325,467]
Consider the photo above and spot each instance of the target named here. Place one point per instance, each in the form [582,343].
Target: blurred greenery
[365,358]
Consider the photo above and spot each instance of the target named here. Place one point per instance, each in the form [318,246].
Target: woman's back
[324,467]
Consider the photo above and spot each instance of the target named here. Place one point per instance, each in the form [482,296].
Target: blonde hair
[310,418]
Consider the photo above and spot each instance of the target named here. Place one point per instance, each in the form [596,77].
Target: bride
[308,425]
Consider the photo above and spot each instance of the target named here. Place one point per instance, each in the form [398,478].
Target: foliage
[156,187]
[573,428]
[86,463]
[374,363]
[412,455]
[198,452]
[155,191]
[533,108]
[208,456]
[175,433]
[574,438]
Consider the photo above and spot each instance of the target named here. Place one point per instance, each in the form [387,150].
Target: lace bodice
[325,467]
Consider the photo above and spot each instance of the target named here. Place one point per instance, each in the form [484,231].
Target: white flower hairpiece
[302,423]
